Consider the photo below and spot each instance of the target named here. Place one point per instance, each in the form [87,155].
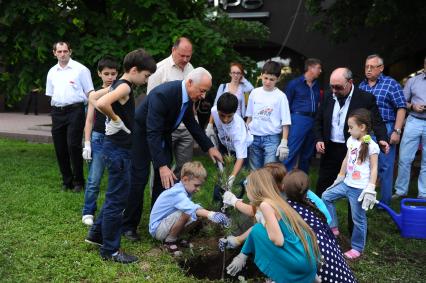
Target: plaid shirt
[389,96]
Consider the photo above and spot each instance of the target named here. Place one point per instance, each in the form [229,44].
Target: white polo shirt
[269,111]
[68,85]
[235,135]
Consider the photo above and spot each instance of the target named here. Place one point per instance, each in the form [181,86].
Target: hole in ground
[210,267]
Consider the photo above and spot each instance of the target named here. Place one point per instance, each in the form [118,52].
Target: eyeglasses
[339,87]
[236,73]
[372,67]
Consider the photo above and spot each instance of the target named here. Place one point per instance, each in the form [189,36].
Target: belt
[68,107]
[421,118]
[309,114]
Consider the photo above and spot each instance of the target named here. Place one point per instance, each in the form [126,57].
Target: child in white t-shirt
[356,180]
[232,131]
[268,119]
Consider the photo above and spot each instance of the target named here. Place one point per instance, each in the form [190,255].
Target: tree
[399,23]
[28,28]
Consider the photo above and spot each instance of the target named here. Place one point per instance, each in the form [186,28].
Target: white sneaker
[87,219]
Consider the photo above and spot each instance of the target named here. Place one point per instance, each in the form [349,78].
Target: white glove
[237,264]
[368,197]
[210,131]
[113,127]
[229,242]
[230,199]
[259,217]
[231,180]
[87,151]
[282,150]
[339,179]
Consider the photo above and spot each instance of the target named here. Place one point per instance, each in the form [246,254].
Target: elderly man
[68,83]
[303,94]
[391,103]
[176,67]
[414,132]
[156,118]
[331,128]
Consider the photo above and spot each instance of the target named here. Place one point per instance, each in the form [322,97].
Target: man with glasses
[414,132]
[391,103]
[159,114]
[303,95]
[331,129]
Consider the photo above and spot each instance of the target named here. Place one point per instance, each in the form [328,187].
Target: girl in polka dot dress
[334,267]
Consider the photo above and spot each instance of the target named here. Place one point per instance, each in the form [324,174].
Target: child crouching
[174,209]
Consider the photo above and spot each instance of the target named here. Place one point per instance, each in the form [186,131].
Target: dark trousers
[330,164]
[109,221]
[141,161]
[32,97]
[67,133]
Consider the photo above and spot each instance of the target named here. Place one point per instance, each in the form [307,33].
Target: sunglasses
[339,87]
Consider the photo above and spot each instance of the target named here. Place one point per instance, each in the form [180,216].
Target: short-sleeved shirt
[243,87]
[389,96]
[68,85]
[235,135]
[269,112]
[415,93]
[357,172]
[171,200]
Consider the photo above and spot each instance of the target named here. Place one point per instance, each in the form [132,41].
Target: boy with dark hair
[232,132]
[117,103]
[268,119]
[94,134]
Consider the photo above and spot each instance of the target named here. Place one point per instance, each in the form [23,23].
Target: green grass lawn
[42,237]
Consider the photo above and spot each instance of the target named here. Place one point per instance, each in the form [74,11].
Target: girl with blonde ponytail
[284,248]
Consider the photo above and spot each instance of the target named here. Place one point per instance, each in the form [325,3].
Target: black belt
[424,119]
[68,107]
[309,114]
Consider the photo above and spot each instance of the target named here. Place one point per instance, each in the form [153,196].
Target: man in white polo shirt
[68,83]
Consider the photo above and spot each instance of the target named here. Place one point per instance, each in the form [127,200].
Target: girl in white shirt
[356,180]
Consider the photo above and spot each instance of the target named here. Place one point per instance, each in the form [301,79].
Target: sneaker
[87,219]
[352,254]
[120,257]
[396,196]
[132,236]
[94,239]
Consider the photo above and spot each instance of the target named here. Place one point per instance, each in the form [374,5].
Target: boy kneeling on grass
[174,209]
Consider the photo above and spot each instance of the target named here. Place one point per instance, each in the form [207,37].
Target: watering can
[411,221]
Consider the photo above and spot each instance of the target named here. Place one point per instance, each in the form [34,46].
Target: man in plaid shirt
[392,106]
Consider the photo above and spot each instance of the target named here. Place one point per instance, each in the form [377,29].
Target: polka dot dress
[334,268]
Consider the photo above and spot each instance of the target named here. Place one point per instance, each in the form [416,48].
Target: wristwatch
[398,131]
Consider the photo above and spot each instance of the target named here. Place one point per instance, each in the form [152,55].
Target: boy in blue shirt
[174,209]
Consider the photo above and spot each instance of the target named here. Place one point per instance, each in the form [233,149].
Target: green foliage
[400,22]
[28,28]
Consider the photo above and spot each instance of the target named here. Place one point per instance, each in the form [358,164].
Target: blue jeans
[385,168]
[359,217]
[108,222]
[301,142]
[414,132]
[96,171]
[263,150]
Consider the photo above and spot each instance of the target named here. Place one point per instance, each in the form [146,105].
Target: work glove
[368,197]
[219,218]
[230,199]
[282,150]
[237,264]
[259,217]
[210,131]
[229,242]
[339,179]
[113,127]
[231,180]
[87,151]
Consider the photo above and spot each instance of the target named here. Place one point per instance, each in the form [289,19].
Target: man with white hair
[156,118]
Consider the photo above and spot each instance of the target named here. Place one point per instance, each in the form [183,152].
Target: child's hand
[229,242]
[368,197]
[229,198]
[219,218]
[339,179]
[282,150]
[237,264]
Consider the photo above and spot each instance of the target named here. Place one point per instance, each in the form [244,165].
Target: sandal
[352,254]
[185,244]
[172,248]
